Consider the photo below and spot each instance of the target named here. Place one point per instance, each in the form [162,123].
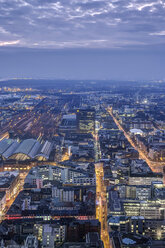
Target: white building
[143,180]
[52,234]
[63,195]
[31,242]
[84,181]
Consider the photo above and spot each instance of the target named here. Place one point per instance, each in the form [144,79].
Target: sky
[82,39]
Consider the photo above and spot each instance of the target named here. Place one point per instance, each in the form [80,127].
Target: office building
[85,120]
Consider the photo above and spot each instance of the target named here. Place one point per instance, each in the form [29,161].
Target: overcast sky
[121,39]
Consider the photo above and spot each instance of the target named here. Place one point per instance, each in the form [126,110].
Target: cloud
[141,6]
[161,33]
[82,23]
[9,43]
[3,31]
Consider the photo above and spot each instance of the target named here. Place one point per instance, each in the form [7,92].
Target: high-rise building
[85,120]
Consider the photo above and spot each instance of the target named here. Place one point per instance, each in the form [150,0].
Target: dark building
[78,229]
[85,120]
[93,240]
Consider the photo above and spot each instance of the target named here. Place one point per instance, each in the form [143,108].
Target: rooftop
[27,149]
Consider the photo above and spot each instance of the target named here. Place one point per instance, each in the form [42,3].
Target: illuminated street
[23,174]
[101,200]
[10,202]
[155,166]
[101,204]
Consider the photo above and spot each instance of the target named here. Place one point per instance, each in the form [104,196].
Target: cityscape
[82,123]
[82,167]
